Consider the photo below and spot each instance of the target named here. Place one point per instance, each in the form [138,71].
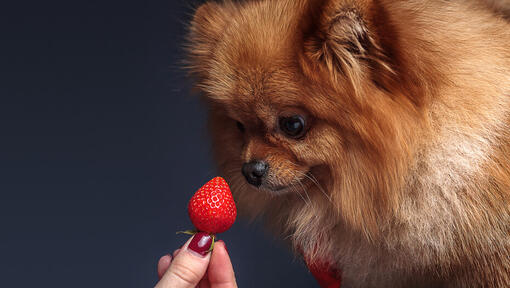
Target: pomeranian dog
[373,135]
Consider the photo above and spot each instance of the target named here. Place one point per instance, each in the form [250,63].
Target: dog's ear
[206,27]
[344,39]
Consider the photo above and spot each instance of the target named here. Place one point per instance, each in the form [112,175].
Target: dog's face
[300,101]
[276,136]
[275,139]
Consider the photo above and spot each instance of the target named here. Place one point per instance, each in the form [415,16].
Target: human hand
[193,266]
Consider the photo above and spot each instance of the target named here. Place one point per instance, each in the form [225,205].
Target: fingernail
[201,243]
[166,255]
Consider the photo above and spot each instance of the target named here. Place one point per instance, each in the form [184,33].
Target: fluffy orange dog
[374,135]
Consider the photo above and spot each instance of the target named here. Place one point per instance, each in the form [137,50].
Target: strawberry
[212,208]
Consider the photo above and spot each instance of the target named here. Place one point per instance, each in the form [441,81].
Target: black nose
[254,171]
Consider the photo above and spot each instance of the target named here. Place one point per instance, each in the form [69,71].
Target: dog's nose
[254,171]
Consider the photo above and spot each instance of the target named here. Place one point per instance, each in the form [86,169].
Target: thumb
[190,265]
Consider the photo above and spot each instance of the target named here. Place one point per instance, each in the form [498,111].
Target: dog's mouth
[304,184]
[296,185]
[279,189]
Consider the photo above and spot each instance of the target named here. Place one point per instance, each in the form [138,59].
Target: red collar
[327,275]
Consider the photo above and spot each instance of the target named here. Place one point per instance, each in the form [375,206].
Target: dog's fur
[403,176]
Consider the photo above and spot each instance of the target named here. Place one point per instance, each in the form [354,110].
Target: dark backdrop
[102,145]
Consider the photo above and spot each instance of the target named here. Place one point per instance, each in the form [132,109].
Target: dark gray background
[102,145]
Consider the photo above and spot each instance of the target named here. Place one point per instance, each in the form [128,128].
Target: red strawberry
[212,208]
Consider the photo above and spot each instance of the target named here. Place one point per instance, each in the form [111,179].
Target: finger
[220,271]
[176,252]
[204,283]
[163,264]
[190,265]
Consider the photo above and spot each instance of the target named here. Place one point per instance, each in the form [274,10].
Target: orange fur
[403,176]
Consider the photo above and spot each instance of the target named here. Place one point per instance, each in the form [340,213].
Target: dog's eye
[293,126]
[240,126]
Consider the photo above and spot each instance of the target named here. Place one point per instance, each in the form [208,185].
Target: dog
[372,135]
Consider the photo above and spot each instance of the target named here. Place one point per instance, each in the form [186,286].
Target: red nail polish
[201,243]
